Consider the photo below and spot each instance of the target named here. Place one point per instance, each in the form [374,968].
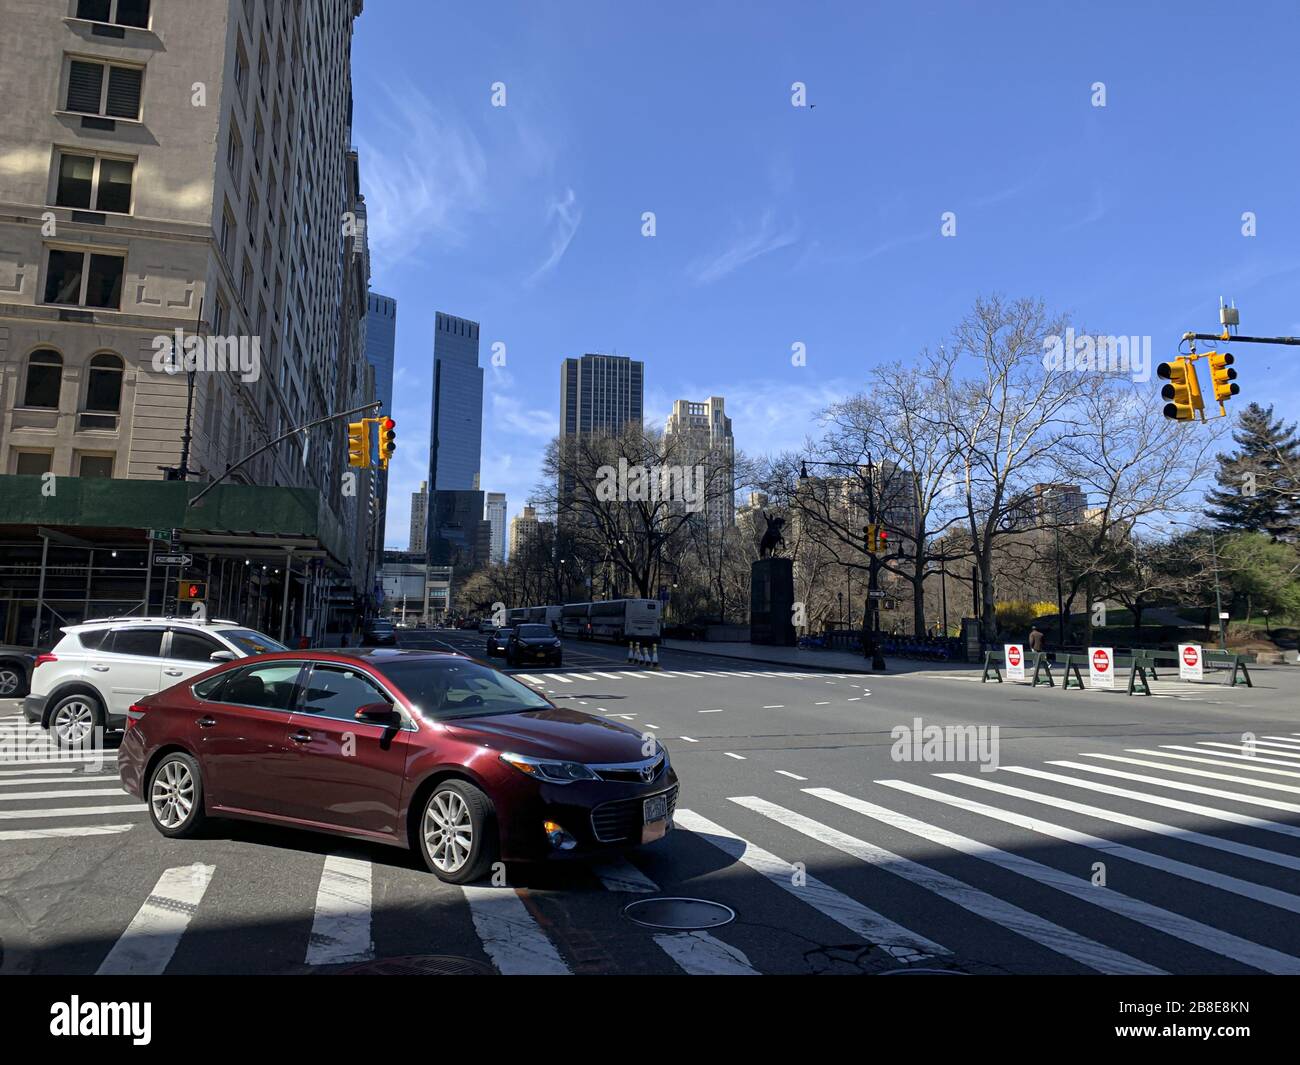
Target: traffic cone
[654,656]
[630,657]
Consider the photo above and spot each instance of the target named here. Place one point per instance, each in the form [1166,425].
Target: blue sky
[820,225]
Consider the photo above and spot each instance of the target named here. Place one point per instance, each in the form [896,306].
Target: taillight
[132,710]
[45,658]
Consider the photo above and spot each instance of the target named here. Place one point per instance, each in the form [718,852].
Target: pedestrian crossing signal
[191,591]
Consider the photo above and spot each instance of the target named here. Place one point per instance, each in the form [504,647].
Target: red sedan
[409,748]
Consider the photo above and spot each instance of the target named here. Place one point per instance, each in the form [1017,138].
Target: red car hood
[554,732]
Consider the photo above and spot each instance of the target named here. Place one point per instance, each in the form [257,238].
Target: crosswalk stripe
[1175,924]
[1234,885]
[75,793]
[73,811]
[1284,741]
[1159,800]
[700,954]
[63,833]
[1235,752]
[556,676]
[151,938]
[1220,758]
[872,927]
[582,676]
[7,773]
[1179,785]
[80,778]
[1142,824]
[528,678]
[1190,771]
[340,928]
[509,934]
[608,676]
[28,758]
[1054,937]
[618,874]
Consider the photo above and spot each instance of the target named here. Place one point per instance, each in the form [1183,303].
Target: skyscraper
[496,515]
[381,344]
[419,518]
[699,434]
[457,427]
[601,393]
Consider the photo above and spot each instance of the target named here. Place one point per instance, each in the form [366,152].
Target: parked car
[378,632]
[497,640]
[485,627]
[534,643]
[99,668]
[16,665]
[449,756]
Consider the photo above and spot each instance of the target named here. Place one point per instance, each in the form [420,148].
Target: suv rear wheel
[13,681]
[74,719]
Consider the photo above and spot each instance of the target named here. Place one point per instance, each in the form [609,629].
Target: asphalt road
[1115,835]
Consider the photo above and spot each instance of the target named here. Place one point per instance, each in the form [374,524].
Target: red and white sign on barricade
[1101,667]
[1015,655]
[1191,663]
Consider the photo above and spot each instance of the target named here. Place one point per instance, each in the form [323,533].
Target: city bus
[574,619]
[623,620]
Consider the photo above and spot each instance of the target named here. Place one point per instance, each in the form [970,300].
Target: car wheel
[74,719]
[176,796]
[13,681]
[458,832]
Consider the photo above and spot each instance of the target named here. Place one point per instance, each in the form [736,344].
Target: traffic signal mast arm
[280,439]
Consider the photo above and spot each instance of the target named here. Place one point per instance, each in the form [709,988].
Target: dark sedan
[534,643]
[414,749]
[378,632]
[496,641]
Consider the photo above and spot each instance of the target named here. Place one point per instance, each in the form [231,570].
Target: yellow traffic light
[359,443]
[875,538]
[1222,376]
[1183,390]
[387,440]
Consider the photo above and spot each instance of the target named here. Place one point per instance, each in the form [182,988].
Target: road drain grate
[679,914]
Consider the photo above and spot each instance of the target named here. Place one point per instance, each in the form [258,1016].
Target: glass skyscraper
[455,445]
[601,393]
[381,343]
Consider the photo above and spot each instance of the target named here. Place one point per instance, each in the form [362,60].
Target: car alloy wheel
[74,721]
[172,794]
[10,682]
[448,831]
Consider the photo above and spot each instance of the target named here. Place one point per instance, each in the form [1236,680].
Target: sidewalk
[808,658]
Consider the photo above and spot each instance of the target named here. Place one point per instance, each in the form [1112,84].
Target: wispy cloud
[423,172]
[744,248]
[563,216]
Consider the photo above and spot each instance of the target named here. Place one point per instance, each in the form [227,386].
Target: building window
[241,73]
[246,280]
[219,314]
[104,384]
[116,95]
[32,463]
[44,379]
[235,154]
[84,279]
[95,466]
[228,228]
[94,184]
[118,12]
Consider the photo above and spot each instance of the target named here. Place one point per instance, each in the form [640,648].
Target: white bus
[573,619]
[622,620]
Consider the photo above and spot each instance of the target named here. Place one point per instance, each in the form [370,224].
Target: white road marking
[556,676]
[826,703]
[1189,771]
[62,794]
[151,938]
[1235,755]
[737,757]
[775,706]
[1275,756]
[582,676]
[1175,924]
[73,811]
[80,778]
[688,739]
[340,928]
[1086,951]
[510,936]
[1156,828]
[1159,800]
[700,954]
[708,711]
[792,776]
[608,676]
[66,769]
[63,833]
[893,938]
[1178,785]
[619,874]
[1256,892]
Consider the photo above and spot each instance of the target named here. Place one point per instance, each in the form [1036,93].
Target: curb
[773,662]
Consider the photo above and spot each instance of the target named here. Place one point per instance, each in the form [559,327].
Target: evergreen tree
[1268,462]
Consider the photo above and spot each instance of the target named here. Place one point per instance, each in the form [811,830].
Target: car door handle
[301,736]
[100,669]
[206,722]
[173,673]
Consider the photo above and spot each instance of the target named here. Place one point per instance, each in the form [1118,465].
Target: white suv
[99,668]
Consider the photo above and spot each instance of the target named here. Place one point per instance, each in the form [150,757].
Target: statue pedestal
[771,602]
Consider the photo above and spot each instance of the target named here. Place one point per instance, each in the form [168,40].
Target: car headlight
[554,772]
[661,749]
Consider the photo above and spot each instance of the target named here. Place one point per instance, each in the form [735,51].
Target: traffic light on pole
[387,440]
[359,443]
[1222,376]
[877,539]
[1183,390]
[192,590]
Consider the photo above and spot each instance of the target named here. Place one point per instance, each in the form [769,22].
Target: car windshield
[252,642]
[441,689]
[535,632]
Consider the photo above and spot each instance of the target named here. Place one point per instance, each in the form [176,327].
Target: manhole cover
[921,972]
[682,914]
[419,965]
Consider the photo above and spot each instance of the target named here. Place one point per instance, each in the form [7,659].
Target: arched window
[104,388]
[44,378]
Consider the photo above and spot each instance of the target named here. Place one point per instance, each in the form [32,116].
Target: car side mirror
[222,656]
[377,714]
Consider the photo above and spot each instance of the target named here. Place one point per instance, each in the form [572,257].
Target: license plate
[655,809]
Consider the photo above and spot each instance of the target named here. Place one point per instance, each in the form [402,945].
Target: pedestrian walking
[1035,639]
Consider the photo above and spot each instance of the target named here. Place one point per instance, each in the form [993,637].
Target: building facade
[601,393]
[178,170]
[420,519]
[699,434]
[456,436]
[496,516]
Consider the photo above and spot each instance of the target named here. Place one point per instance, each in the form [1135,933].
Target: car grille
[617,821]
[630,773]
